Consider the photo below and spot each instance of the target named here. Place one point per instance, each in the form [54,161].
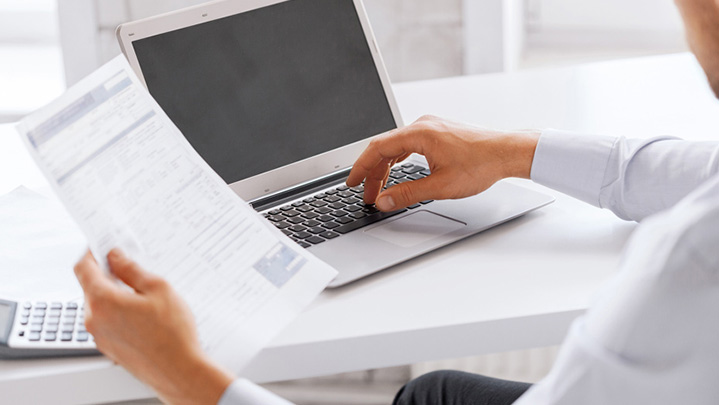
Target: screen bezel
[294,174]
[5,337]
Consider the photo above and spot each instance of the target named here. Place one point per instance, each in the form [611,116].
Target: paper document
[130,180]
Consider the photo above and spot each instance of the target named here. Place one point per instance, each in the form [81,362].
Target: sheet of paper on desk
[131,180]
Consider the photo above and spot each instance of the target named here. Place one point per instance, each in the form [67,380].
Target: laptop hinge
[294,192]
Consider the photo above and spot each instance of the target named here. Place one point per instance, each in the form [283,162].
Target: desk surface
[516,286]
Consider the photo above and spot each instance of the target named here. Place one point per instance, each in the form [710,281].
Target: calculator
[43,329]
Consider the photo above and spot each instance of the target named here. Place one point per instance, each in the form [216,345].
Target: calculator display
[6,313]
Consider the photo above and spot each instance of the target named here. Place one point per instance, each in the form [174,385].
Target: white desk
[515,286]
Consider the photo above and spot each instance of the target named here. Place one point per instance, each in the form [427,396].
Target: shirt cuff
[243,392]
[572,163]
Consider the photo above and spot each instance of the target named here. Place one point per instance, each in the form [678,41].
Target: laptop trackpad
[415,228]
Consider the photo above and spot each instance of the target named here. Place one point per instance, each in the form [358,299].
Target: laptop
[280,98]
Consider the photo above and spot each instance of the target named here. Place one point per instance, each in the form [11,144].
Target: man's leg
[459,388]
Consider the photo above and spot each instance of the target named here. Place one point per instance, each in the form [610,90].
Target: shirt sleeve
[650,336]
[634,178]
[244,392]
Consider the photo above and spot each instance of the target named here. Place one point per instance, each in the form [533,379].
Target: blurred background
[46,45]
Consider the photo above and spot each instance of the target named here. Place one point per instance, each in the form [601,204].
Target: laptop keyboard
[332,213]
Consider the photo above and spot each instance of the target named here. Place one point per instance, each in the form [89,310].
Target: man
[651,337]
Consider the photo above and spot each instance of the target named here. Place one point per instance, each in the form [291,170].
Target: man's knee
[426,389]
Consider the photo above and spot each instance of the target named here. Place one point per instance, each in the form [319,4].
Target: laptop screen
[262,89]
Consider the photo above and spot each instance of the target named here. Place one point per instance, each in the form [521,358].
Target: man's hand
[464,161]
[150,331]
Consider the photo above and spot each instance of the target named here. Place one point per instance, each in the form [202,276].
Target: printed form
[131,180]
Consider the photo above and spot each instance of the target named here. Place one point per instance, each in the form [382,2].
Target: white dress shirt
[652,334]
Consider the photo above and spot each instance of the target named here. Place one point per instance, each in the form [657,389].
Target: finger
[129,272]
[389,146]
[91,278]
[375,181]
[410,192]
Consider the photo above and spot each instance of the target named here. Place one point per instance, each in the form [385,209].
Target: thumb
[128,271]
[408,193]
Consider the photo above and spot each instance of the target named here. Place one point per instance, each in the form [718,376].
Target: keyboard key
[406,165]
[82,336]
[330,225]
[324,210]
[297,204]
[345,194]
[312,223]
[308,200]
[396,175]
[277,218]
[287,232]
[33,336]
[351,201]
[342,188]
[316,230]
[292,213]
[304,208]
[415,176]
[370,209]
[413,170]
[320,195]
[325,218]
[310,215]
[303,235]
[66,336]
[319,203]
[370,219]
[358,214]
[357,189]
[275,212]
[426,172]
[345,220]
[336,205]
[304,244]
[282,225]
[297,228]
[339,213]
[353,208]
[286,208]
[296,220]
[331,192]
[332,199]
[413,206]
[426,201]
[50,336]
[315,240]
[329,235]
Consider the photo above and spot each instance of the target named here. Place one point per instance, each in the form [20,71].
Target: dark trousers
[459,388]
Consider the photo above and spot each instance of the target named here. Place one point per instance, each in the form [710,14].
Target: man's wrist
[521,147]
[197,381]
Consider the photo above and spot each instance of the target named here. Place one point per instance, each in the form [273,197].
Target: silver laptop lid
[272,94]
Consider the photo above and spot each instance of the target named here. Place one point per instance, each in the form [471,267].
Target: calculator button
[54,312]
[68,327]
[38,312]
[24,320]
[82,336]
[56,305]
[50,336]
[71,312]
[35,328]
[51,328]
[53,320]
[66,336]
[71,305]
[27,305]
[25,312]
[34,336]
[36,321]
[40,305]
